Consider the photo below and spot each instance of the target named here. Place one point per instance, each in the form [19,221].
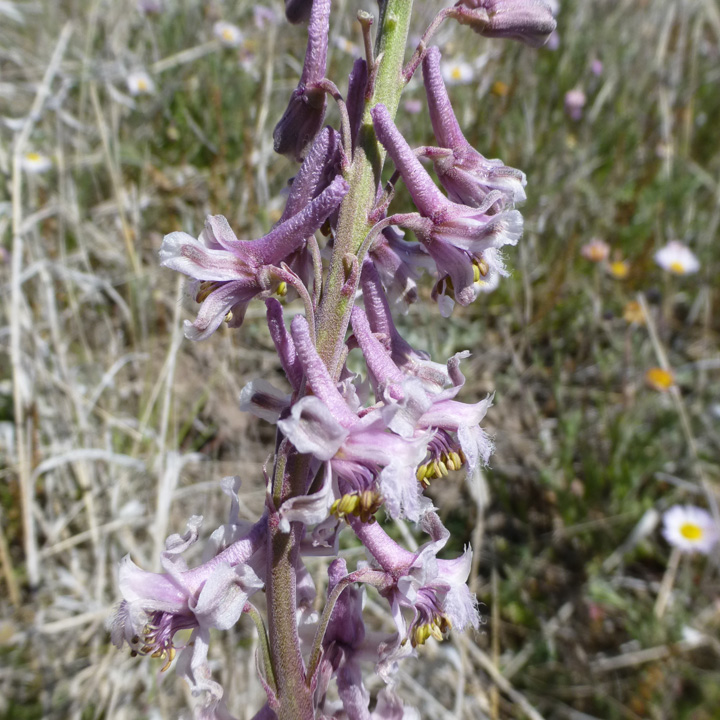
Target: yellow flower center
[691,532]
[619,269]
[677,267]
[33,156]
[456,73]
[659,379]
[142,84]
[633,312]
[500,88]
[228,35]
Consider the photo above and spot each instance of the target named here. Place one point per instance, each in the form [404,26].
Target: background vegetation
[125,429]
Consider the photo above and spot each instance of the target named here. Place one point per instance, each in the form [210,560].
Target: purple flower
[213,595]
[462,240]
[231,272]
[306,110]
[465,173]
[529,21]
[410,409]
[370,461]
[574,103]
[432,592]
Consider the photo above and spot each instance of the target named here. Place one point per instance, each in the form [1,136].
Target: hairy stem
[364,177]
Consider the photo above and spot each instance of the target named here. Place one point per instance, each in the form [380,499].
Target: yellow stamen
[282,289]
[171,657]
[205,289]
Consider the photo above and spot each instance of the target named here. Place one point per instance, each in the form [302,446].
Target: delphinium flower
[351,448]
[467,176]
[156,606]
[231,272]
[462,240]
[690,529]
[529,21]
[677,258]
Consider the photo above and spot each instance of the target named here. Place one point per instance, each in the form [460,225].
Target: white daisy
[457,73]
[140,83]
[690,529]
[677,258]
[227,33]
[35,163]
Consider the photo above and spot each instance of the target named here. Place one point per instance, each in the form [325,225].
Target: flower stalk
[343,452]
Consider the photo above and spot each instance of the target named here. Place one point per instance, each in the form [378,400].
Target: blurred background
[132,121]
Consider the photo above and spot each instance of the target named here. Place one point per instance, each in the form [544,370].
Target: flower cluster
[351,449]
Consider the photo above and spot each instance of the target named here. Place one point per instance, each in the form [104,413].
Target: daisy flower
[228,34]
[596,250]
[457,73]
[677,258]
[140,83]
[690,529]
[35,163]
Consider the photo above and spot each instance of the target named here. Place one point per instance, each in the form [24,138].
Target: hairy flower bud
[305,112]
[529,21]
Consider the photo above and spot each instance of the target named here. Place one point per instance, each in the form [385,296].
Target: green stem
[364,176]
